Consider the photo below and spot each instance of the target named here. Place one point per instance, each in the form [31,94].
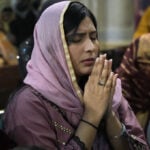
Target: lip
[88,61]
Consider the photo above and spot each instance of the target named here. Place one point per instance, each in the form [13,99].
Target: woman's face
[84,47]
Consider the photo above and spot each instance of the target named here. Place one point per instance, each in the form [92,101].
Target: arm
[94,115]
[132,139]
[135,133]
[96,100]
[121,113]
[114,129]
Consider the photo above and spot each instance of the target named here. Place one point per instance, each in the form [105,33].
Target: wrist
[92,118]
[90,124]
[122,133]
[110,116]
[115,129]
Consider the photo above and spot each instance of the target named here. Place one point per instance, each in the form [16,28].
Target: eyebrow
[82,33]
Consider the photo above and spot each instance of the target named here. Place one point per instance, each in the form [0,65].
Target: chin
[87,72]
[84,71]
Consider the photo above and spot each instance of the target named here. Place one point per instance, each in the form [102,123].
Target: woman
[134,73]
[67,100]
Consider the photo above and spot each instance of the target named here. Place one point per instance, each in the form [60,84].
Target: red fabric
[135,83]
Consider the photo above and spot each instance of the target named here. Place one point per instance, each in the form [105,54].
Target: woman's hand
[109,109]
[99,90]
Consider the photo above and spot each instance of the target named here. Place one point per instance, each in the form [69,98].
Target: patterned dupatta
[135,83]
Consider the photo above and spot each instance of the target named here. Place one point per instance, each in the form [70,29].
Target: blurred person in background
[8,51]
[25,18]
[134,73]
[143,25]
[6,17]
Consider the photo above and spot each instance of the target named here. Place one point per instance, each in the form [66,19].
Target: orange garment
[144,24]
[7,50]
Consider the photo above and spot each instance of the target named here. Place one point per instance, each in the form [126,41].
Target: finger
[109,82]
[114,83]
[105,72]
[115,79]
[94,70]
[110,65]
[99,63]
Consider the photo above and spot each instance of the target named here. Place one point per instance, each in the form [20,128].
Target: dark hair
[73,16]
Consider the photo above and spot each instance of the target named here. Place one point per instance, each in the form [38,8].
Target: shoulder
[26,102]
[27,109]
[23,97]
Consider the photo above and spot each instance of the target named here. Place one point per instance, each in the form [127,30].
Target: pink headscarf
[50,70]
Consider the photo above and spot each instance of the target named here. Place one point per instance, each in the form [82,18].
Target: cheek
[97,45]
[74,54]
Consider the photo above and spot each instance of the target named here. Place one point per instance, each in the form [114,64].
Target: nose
[90,45]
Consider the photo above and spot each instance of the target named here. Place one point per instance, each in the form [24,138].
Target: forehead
[86,24]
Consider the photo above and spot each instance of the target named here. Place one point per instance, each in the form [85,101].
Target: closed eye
[75,38]
[93,36]
[78,37]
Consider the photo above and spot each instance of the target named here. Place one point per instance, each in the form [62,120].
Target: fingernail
[111,74]
[110,60]
[106,62]
[97,59]
[104,55]
[100,56]
[116,75]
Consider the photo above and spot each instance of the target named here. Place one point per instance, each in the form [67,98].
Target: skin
[85,47]
[97,99]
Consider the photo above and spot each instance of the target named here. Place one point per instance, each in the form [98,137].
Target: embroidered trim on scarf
[67,55]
